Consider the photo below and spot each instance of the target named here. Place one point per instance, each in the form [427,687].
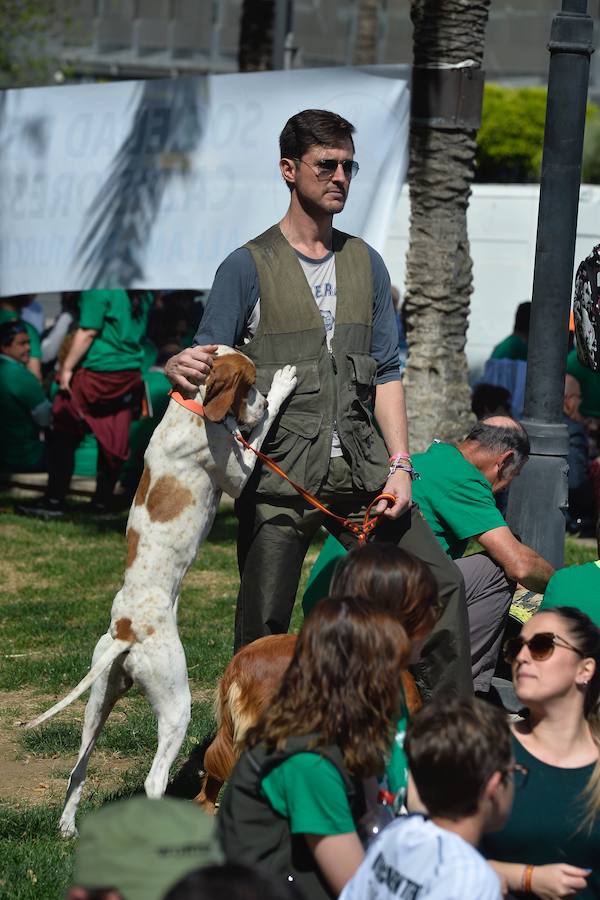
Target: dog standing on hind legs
[189,462]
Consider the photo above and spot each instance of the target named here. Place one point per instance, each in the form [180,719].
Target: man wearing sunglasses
[307,294]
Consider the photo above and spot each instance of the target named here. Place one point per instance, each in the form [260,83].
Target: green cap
[142,847]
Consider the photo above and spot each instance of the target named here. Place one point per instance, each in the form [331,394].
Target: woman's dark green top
[544,825]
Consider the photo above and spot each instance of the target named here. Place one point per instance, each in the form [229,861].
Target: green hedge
[511,137]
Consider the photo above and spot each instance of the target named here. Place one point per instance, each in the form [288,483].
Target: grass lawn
[59,579]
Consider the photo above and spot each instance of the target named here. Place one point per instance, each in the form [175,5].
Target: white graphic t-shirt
[320,275]
[414,859]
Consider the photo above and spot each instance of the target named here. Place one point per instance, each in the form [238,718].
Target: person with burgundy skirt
[101,390]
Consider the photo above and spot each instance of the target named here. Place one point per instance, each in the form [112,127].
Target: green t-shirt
[20,394]
[543,825]
[309,791]
[512,347]
[577,586]
[455,498]
[590,386]
[7,315]
[118,344]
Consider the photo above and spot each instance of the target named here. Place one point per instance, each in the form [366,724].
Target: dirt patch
[16,578]
[33,779]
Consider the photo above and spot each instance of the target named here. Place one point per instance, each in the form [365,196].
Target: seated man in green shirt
[455,492]
[456,495]
[10,311]
[24,408]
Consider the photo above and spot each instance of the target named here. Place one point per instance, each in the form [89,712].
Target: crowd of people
[343,787]
[84,395]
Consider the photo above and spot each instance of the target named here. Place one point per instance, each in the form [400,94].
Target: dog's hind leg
[162,675]
[106,690]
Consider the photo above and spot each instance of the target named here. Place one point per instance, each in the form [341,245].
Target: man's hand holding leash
[189,369]
[398,484]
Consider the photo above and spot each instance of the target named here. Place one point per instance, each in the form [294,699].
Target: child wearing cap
[137,849]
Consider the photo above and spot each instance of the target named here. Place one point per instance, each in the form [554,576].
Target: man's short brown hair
[453,748]
[313,127]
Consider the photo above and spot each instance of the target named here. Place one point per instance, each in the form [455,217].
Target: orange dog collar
[189,404]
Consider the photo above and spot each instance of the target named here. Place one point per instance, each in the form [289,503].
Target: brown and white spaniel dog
[189,462]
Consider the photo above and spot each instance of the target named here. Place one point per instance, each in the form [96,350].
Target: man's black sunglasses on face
[326,168]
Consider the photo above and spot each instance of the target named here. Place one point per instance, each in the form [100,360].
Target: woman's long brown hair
[342,684]
[586,637]
[395,580]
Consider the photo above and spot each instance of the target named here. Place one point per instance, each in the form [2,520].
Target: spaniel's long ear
[246,380]
[221,387]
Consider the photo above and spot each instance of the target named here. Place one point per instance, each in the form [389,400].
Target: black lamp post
[539,496]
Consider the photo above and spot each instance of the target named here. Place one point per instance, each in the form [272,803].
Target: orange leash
[369,522]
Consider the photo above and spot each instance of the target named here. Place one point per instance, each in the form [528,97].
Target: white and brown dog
[189,462]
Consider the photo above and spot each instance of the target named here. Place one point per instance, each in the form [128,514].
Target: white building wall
[502,223]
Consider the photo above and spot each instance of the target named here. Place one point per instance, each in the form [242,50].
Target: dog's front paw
[284,382]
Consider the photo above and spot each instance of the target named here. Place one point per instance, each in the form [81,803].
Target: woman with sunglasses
[550,845]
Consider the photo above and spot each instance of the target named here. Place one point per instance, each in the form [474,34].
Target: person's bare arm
[338,856]
[390,412]
[81,343]
[549,882]
[520,562]
[35,367]
[189,369]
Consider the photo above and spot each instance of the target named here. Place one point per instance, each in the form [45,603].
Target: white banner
[152,183]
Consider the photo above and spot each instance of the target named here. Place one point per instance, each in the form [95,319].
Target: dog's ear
[228,379]
[247,378]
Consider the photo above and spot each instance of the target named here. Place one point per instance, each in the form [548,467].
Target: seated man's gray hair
[500,438]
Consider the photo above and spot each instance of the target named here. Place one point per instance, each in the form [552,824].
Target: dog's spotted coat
[189,462]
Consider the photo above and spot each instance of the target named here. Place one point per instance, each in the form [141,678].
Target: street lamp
[538,498]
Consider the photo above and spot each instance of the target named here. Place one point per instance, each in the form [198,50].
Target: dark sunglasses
[326,168]
[541,646]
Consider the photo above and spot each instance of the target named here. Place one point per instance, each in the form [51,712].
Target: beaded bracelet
[404,467]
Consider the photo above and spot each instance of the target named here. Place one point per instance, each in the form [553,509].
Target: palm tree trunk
[439,268]
[367,20]
[255,52]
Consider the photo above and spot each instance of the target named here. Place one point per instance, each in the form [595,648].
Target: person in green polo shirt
[10,311]
[455,493]
[100,390]
[577,586]
[24,408]
[515,345]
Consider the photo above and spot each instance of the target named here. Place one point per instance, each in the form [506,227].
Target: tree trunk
[367,25]
[256,36]
[439,268]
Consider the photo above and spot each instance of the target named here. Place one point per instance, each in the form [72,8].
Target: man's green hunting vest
[335,389]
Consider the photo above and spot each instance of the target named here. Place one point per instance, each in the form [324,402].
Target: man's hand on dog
[189,369]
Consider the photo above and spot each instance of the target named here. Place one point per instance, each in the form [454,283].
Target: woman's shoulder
[531,754]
